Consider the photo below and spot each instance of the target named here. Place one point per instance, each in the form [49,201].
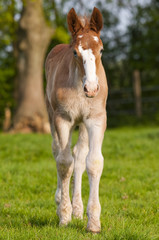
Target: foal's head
[87,47]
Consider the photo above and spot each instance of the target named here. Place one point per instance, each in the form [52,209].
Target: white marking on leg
[65,169]
[94,164]
[58,191]
[64,162]
[80,152]
[55,150]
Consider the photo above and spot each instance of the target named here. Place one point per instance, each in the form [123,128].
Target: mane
[84,21]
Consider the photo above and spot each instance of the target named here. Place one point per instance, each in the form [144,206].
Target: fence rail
[127,90]
[123,101]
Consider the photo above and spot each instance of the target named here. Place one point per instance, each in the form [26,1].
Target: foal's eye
[101,51]
[75,53]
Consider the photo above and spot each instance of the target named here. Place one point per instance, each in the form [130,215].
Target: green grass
[129,188]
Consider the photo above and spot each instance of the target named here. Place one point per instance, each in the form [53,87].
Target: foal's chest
[73,104]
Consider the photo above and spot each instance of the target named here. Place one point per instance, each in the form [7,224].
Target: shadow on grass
[130,236]
[153,135]
[77,224]
[44,221]
[41,222]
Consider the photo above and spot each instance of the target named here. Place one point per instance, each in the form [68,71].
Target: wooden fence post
[137,93]
[7,119]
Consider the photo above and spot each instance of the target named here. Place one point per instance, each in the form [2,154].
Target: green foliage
[144,35]
[129,188]
[137,48]
[61,35]
[10,11]
[7,74]
[8,26]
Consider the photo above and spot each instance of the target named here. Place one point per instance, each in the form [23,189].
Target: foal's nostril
[91,92]
[85,88]
[96,90]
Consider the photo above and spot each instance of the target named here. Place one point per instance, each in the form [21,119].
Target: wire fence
[124,101]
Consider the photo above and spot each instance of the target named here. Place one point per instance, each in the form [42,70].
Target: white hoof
[77,210]
[64,213]
[93,226]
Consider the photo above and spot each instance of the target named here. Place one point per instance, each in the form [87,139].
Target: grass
[129,188]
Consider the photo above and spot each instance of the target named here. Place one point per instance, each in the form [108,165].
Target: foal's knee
[64,163]
[80,153]
[94,164]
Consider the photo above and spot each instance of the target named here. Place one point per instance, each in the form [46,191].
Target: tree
[33,37]
[143,37]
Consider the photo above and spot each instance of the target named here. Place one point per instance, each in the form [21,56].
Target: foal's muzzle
[91,90]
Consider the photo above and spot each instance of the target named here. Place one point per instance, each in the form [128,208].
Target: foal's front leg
[64,162]
[80,152]
[94,165]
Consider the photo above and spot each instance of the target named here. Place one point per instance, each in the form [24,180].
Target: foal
[76,94]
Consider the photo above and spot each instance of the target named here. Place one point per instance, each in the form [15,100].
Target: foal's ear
[74,24]
[96,22]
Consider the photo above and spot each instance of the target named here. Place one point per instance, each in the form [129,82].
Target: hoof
[64,222]
[93,226]
[77,208]
[64,213]
[77,214]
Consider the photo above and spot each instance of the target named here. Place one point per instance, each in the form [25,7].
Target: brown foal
[76,94]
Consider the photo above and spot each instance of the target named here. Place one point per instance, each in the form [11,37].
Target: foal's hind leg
[80,152]
[56,150]
[64,163]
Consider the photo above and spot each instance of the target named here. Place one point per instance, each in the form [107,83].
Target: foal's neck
[75,74]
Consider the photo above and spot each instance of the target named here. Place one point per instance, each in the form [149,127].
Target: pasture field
[129,188]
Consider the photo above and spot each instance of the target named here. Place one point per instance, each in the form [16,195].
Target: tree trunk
[33,39]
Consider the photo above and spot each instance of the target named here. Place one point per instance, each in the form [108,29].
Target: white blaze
[89,64]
